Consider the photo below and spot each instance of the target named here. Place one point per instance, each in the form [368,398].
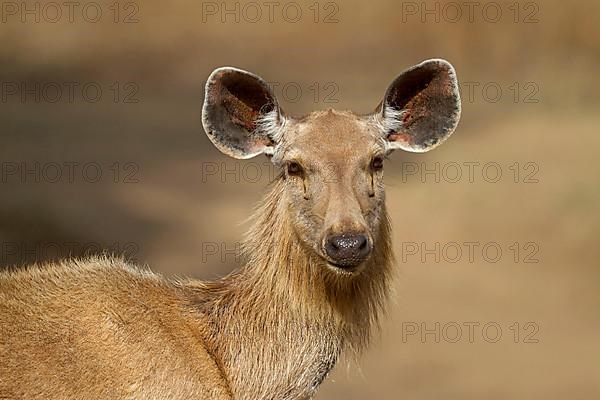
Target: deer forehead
[333,137]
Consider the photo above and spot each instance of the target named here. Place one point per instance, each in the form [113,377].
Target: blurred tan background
[120,163]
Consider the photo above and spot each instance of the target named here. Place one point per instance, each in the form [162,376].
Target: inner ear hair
[269,123]
[390,120]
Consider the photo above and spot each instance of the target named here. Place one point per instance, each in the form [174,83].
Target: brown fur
[102,329]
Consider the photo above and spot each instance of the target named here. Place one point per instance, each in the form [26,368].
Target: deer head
[332,161]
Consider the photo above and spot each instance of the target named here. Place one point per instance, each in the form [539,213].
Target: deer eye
[294,169]
[377,163]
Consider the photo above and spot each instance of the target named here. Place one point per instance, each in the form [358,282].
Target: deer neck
[284,317]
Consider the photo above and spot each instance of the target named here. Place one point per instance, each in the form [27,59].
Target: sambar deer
[319,261]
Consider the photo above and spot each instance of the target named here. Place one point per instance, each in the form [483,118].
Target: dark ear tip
[437,66]
[225,74]
[217,74]
[226,70]
[437,63]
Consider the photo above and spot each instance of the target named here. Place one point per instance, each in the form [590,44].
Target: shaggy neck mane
[281,321]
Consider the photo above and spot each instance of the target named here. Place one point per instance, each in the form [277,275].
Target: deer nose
[348,249]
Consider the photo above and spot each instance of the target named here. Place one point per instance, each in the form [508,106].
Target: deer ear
[421,107]
[240,113]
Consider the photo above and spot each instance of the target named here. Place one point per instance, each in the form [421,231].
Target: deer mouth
[345,268]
